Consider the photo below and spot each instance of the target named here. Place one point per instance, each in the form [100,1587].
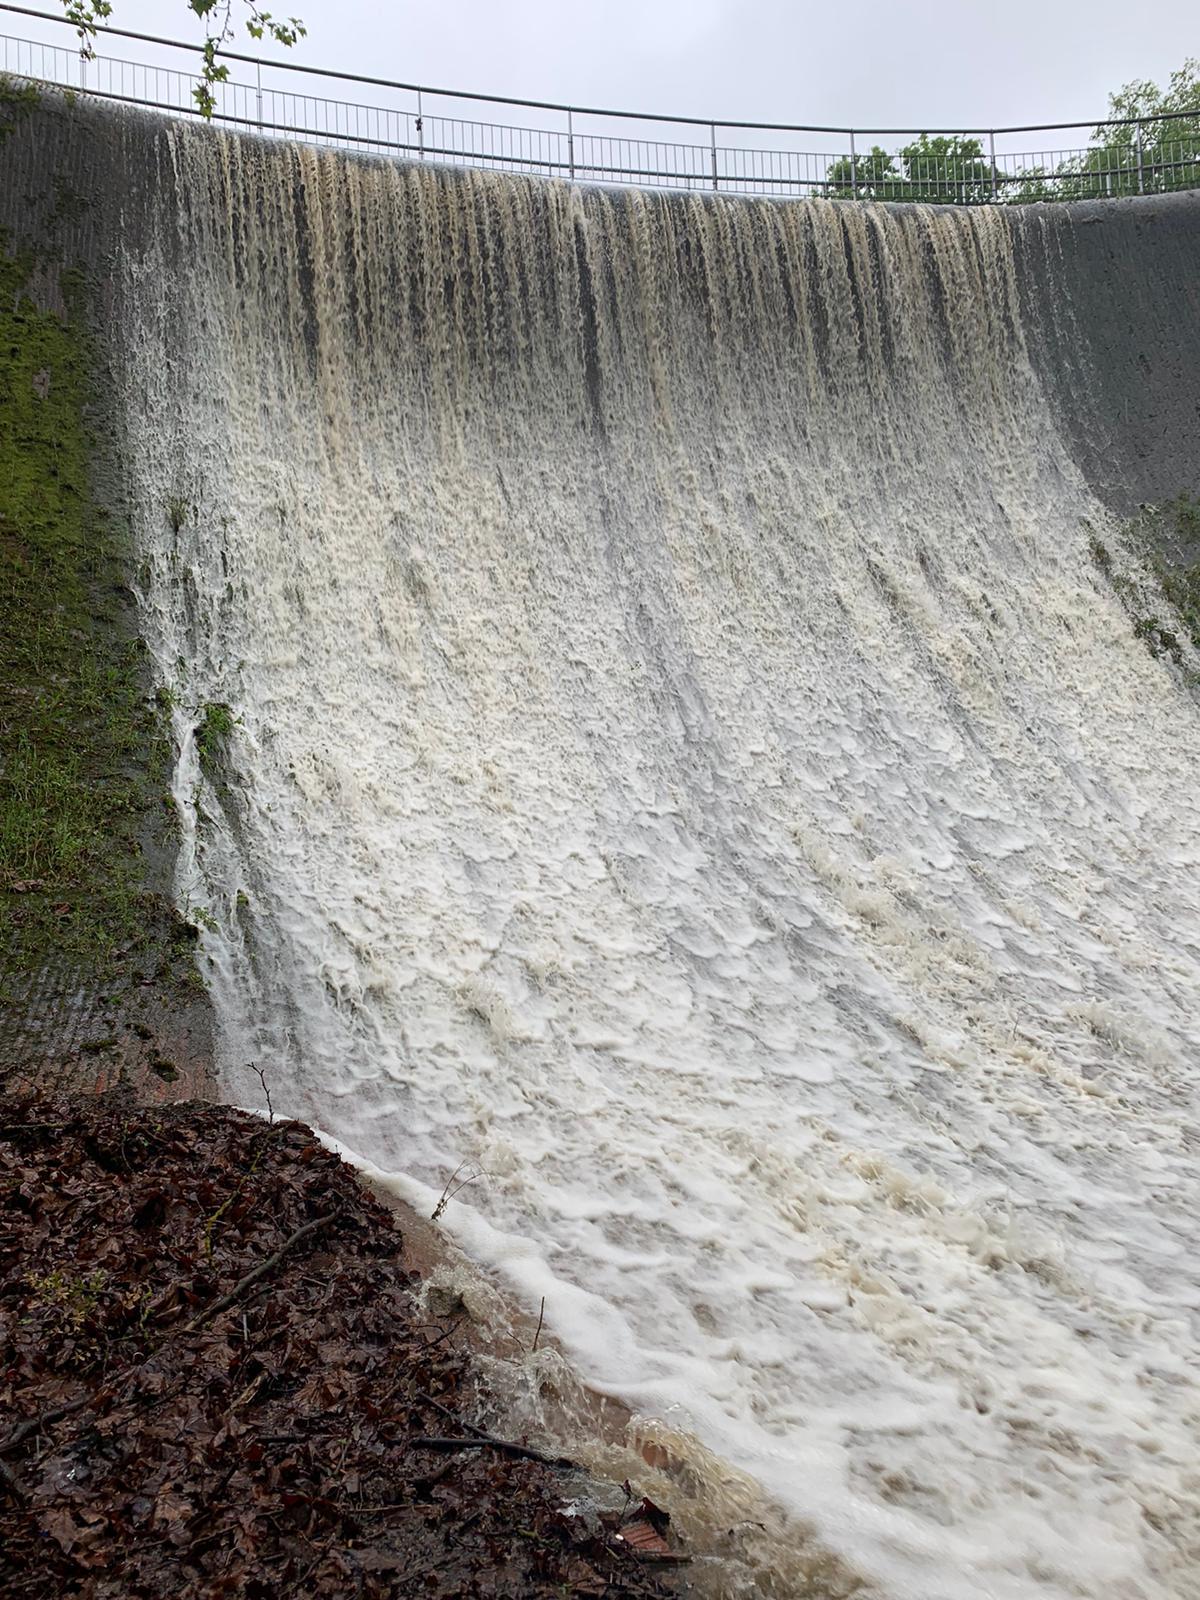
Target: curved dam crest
[689,768]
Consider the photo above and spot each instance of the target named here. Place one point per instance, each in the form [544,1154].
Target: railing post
[749,170]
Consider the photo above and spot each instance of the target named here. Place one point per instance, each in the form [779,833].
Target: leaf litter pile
[214,1381]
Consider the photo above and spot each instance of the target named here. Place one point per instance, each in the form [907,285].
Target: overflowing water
[690,778]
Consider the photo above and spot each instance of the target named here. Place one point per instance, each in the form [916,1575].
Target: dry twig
[258,1272]
[452,1188]
[486,1442]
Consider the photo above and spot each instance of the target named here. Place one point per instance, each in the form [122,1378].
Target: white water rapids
[689,769]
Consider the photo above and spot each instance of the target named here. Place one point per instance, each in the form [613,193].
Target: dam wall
[1109,291]
[661,729]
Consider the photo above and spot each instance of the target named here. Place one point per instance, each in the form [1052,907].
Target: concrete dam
[701,756]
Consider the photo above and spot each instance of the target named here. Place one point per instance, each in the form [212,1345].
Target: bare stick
[258,1272]
[446,1332]
[523,1452]
[452,1188]
[43,1420]
[452,1416]
[262,1078]
[541,1318]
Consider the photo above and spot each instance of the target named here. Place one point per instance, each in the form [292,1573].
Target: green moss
[1159,640]
[1180,582]
[46,813]
[79,743]
[217,722]
[1100,554]
[1167,576]
[17,100]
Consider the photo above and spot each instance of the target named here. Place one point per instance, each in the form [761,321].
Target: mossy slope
[1158,579]
[89,946]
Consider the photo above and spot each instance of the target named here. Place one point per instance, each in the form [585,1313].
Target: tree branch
[258,1272]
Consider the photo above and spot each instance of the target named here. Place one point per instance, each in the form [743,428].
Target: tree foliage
[1159,152]
[220,26]
[937,170]
[873,176]
[1169,145]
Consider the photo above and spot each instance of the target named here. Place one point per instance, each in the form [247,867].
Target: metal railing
[590,145]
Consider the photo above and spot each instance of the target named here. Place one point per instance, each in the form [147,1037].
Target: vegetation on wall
[82,752]
[16,101]
[216,724]
[1162,595]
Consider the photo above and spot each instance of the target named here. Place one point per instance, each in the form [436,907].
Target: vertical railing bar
[751,170]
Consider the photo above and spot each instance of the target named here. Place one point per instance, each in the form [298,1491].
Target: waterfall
[687,768]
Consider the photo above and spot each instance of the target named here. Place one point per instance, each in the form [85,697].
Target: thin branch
[258,1272]
[452,1416]
[452,1188]
[505,1446]
[261,1075]
[446,1332]
[541,1319]
[43,1420]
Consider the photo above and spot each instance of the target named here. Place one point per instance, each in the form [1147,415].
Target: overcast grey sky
[908,63]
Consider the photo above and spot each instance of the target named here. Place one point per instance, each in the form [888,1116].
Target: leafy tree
[219,27]
[1032,183]
[937,170]
[954,170]
[870,177]
[947,170]
[1170,145]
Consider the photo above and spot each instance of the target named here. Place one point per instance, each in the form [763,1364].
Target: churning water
[689,769]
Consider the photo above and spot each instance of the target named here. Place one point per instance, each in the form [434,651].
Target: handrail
[586,149]
[595,111]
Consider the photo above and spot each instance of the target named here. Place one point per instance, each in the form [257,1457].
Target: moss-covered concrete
[93,959]
[1156,574]
[1171,533]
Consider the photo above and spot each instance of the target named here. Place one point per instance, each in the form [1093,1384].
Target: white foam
[665,786]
